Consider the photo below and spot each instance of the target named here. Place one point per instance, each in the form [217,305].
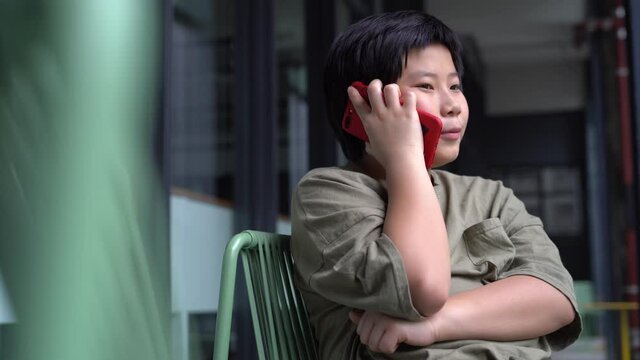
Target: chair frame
[279,316]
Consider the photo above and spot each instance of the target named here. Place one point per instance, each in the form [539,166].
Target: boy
[398,261]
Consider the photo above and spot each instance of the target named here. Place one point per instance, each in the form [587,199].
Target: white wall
[199,234]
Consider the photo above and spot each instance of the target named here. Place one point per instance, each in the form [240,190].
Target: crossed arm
[515,308]
[396,150]
[518,307]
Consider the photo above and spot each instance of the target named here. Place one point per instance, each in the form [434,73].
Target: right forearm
[415,224]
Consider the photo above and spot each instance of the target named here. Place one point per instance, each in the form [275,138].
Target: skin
[395,153]
[515,308]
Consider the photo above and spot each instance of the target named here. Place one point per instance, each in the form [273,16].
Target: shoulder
[334,199]
[478,186]
[337,176]
[477,197]
[338,184]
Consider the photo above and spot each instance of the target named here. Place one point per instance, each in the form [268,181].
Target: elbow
[567,316]
[564,313]
[430,298]
[430,308]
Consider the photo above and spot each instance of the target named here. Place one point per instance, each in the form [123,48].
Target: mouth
[451,134]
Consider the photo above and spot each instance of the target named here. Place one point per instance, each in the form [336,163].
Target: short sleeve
[339,250]
[536,255]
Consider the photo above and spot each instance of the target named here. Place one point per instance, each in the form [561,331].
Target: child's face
[431,75]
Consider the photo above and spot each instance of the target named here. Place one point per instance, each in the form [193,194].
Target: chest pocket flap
[489,248]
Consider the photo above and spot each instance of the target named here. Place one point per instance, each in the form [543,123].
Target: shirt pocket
[489,249]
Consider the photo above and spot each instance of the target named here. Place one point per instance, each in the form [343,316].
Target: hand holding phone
[430,124]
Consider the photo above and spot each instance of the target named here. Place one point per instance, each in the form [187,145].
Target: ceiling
[512,32]
[526,47]
[506,31]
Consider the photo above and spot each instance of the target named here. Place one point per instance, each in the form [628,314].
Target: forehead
[432,58]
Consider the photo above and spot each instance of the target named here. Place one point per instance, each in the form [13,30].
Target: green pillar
[83,240]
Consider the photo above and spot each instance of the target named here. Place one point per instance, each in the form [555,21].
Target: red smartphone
[431,125]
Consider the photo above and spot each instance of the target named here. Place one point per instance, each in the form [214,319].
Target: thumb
[355,316]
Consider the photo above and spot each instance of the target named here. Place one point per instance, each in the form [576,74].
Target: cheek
[428,105]
[464,111]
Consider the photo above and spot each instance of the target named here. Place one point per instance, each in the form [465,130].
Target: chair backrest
[279,316]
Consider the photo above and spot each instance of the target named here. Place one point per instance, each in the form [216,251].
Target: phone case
[431,125]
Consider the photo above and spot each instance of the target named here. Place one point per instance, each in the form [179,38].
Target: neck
[372,167]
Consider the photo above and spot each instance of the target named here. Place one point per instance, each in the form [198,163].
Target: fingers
[409,101]
[388,344]
[377,331]
[365,326]
[374,90]
[383,97]
[355,316]
[392,95]
[383,333]
[379,98]
[359,103]
[375,337]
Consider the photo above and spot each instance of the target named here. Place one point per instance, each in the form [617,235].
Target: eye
[425,86]
[456,87]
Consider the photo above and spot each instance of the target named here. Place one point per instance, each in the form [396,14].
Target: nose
[449,106]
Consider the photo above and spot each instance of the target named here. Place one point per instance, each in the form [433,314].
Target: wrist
[421,333]
[445,323]
[434,325]
[405,159]
[406,168]
[392,156]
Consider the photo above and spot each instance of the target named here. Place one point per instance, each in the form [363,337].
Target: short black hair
[376,47]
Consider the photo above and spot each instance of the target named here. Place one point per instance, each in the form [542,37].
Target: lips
[451,134]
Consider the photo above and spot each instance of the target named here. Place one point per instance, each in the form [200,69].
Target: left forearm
[515,308]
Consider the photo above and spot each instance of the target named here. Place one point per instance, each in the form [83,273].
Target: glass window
[202,151]
[292,108]
[202,167]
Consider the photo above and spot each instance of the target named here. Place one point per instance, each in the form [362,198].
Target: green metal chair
[279,316]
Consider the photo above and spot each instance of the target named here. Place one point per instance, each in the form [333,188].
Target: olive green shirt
[343,260]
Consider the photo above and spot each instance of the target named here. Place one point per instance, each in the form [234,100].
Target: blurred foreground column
[83,240]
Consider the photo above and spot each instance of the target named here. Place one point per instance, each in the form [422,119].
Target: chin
[444,158]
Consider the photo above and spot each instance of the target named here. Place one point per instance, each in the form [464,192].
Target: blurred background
[137,137]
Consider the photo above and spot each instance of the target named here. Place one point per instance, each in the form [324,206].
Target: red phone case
[431,125]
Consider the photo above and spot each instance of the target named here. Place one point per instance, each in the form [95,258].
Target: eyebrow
[421,73]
